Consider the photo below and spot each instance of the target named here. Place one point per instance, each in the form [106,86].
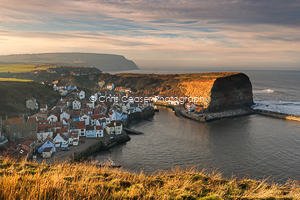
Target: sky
[158,33]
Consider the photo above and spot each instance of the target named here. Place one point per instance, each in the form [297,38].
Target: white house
[65,114]
[110,86]
[47,143]
[58,87]
[114,127]
[90,104]
[80,125]
[59,141]
[53,118]
[47,152]
[32,104]
[63,92]
[44,132]
[85,118]
[76,105]
[80,94]
[112,115]
[74,138]
[99,131]
[44,107]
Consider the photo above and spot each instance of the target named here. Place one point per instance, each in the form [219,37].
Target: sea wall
[101,146]
[277,115]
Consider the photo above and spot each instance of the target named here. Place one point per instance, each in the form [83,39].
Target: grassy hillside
[86,181]
[15,94]
[20,67]
[15,79]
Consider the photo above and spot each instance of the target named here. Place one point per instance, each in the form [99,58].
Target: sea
[255,146]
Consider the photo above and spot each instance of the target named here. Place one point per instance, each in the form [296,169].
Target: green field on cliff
[22,180]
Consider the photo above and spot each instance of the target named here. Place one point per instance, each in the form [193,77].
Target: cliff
[234,90]
[214,91]
[104,62]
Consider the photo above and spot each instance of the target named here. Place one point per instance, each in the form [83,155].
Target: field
[15,79]
[86,181]
[19,67]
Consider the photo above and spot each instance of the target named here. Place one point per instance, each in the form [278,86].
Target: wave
[264,91]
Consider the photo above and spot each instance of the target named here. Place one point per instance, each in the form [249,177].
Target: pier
[133,132]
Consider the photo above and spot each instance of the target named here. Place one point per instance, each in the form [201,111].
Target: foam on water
[286,107]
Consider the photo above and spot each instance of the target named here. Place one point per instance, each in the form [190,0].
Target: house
[60,141]
[90,104]
[99,131]
[91,77]
[32,104]
[22,153]
[58,87]
[190,106]
[44,107]
[69,101]
[10,121]
[22,131]
[63,92]
[56,126]
[85,118]
[80,94]
[65,114]
[42,115]
[90,131]
[29,146]
[74,138]
[47,143]
[76,105]
[100,118]
[110,86]
[53,118]
[114,127]
[80,125]
[44,131]
[128,90]
[47,152]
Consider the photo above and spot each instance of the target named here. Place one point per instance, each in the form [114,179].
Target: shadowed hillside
[15,94]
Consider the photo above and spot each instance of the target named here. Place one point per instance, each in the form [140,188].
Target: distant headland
[104,62]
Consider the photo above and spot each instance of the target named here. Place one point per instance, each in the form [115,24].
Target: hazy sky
[204,33]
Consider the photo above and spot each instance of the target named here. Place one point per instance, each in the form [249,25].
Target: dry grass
[86,181]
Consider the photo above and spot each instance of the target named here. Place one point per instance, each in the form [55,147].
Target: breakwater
[277,115]
[102,145]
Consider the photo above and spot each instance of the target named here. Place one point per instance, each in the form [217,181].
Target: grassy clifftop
[86,181]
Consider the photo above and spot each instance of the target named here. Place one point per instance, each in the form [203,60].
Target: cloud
[191,31]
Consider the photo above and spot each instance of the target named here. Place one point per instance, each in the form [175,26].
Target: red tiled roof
[43,106]
[97,116]
[60,85]
[63,130]
[89,128]
[14,120]
[32,119]
[57,124]
[78,91]
[109,84]
[80,124]
[99,128]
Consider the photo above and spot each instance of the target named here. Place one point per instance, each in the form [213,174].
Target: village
[76,120]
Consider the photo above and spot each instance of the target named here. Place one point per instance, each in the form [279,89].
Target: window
[82,129]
